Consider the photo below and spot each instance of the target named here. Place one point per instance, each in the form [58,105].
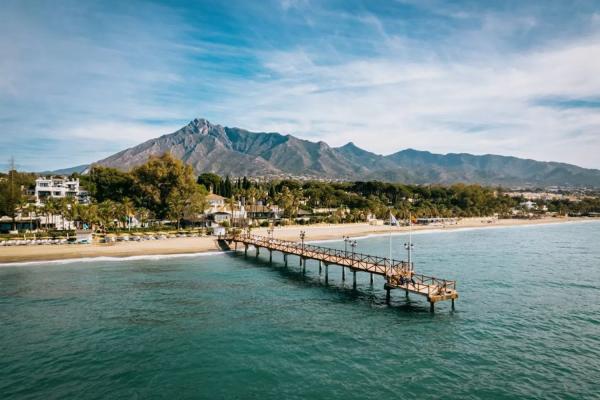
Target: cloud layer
[80,82]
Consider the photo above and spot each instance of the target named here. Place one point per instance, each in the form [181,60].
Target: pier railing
[355,260]
[398,274]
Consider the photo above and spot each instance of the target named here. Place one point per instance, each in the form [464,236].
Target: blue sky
[80,80]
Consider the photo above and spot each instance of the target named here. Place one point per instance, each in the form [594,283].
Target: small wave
[112,259]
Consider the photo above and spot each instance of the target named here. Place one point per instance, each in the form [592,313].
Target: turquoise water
[527,325]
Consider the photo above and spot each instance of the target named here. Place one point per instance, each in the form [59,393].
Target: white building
[58,187]
[214,200]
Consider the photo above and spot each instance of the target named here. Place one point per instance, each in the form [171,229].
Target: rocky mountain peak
[200,125]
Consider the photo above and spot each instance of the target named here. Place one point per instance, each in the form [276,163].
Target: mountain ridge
[234,151]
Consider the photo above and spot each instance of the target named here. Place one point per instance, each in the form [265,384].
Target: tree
[227,188]
[107,213]
[163,182]
[87,214]
[109,184]
[126,211]
[212,182]
[70,211]
[143,215]
[11,196]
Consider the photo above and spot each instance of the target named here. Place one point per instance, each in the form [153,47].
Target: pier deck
[398,274]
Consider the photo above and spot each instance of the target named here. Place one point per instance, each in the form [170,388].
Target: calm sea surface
[527,325]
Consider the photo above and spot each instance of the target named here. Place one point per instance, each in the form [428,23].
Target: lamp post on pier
[302,260]
[353,245]
[346,240]
[302,236]
[409,247]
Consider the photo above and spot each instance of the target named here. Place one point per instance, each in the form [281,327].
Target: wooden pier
[397,274]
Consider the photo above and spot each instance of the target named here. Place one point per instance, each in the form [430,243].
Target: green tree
[109,184]
[212,182]
[162,183]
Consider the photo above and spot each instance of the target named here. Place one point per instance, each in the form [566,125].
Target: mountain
[66,171]
[233,151]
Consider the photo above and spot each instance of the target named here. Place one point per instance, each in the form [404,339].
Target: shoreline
[207,245]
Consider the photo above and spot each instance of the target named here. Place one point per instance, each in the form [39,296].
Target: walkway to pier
[398,274]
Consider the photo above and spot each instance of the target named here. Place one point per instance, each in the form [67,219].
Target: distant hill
[237,152]
[66,171]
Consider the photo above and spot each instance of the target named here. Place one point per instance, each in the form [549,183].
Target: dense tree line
[166,188]
[162,188]
[362,198]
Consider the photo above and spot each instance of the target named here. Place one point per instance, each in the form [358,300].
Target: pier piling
[398,274]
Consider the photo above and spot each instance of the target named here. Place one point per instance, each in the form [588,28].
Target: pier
[398,274]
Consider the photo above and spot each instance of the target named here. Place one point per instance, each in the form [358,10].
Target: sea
[222,326]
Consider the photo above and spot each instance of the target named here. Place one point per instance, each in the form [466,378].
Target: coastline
[207,245]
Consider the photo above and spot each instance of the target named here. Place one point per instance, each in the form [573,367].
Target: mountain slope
[237,152]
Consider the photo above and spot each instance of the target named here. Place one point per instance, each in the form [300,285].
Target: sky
[81,80]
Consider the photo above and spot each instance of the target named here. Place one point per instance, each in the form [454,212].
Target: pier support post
[343,274]
[452,304]
[371,279]
[320,266]
[301,260]
[245,250]
[270,256]
[431,306]
[387,295]
[285,259]
[326,273]
[303,266]
[257,251]
[354,280]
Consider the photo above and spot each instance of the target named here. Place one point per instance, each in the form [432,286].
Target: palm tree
[231,203]
[107,213]
[51,207]
[143,214]
[127,210]
[70,211]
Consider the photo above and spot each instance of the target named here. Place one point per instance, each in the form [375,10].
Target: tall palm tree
[51,207]
[70,211]
[127,210]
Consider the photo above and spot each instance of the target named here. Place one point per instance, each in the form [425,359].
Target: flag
[393,220]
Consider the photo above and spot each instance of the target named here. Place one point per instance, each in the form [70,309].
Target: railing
[353,260]
[398,273]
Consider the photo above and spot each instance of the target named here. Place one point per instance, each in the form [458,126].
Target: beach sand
[208,243]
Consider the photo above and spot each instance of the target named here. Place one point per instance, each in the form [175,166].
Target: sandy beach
[16,254]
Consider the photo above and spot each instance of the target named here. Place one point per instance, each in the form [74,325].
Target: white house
[529,205]
[57,187]
[214,200]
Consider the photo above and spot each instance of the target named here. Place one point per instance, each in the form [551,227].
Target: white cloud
[387,103]
[470,90]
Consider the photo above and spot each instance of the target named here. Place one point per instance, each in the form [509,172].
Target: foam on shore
[113,258]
